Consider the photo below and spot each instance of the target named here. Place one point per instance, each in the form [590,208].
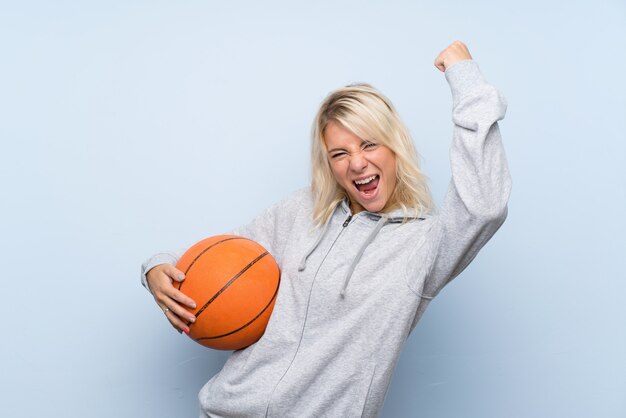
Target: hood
[395,216]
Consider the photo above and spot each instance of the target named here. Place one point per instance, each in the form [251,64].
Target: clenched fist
[455,52]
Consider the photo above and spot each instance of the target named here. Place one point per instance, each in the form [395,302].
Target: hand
[160,280]
[455,52]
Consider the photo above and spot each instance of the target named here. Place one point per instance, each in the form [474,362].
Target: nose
[358,162]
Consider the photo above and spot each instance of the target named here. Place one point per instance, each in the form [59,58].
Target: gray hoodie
[353,289]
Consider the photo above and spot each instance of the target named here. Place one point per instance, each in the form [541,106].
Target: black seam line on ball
[231,281]
[180,284]
[251,321]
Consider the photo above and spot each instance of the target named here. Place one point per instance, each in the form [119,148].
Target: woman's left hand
[455,52]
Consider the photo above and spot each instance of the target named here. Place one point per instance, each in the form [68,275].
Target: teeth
[365,180]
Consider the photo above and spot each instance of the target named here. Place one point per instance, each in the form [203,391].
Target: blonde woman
[362,253]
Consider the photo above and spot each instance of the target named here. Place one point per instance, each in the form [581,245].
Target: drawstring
[302,265]
[381,222]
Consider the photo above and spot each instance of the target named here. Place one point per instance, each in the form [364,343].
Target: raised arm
[476,202]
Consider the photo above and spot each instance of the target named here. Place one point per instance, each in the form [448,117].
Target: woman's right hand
[171,300]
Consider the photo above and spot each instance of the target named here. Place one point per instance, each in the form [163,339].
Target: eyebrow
[363,141]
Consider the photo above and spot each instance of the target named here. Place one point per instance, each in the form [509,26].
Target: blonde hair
[368,114]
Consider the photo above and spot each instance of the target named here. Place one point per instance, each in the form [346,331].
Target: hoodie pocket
[366,409]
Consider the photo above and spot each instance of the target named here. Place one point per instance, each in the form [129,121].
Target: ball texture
[234,282]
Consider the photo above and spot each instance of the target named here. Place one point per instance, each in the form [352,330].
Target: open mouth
[368,185]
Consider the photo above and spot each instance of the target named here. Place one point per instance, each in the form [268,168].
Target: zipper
[269,400]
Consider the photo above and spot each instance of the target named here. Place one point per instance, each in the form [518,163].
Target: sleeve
[273,227]
[158,259]
[270,229]
[475,205]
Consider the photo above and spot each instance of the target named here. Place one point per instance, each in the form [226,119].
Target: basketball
[234,282]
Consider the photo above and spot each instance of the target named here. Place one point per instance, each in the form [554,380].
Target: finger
[173,292]
[170,306]
[439,63]
[174,273]
[177,323]
[182,298]
[179,317]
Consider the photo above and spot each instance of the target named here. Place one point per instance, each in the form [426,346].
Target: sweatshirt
[353,289]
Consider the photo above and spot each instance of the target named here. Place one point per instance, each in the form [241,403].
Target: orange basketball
[234,282]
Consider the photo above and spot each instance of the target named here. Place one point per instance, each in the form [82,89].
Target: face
[365,170]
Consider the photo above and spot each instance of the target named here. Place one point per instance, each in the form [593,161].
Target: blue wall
[132,127]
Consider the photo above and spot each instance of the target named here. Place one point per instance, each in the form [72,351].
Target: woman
[361,253]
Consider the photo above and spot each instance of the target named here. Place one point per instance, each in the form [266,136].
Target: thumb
[440,64]
[174,273]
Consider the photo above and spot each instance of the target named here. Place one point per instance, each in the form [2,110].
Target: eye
[337,155]
[369,146]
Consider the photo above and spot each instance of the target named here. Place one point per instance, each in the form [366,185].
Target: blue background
[133,127]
